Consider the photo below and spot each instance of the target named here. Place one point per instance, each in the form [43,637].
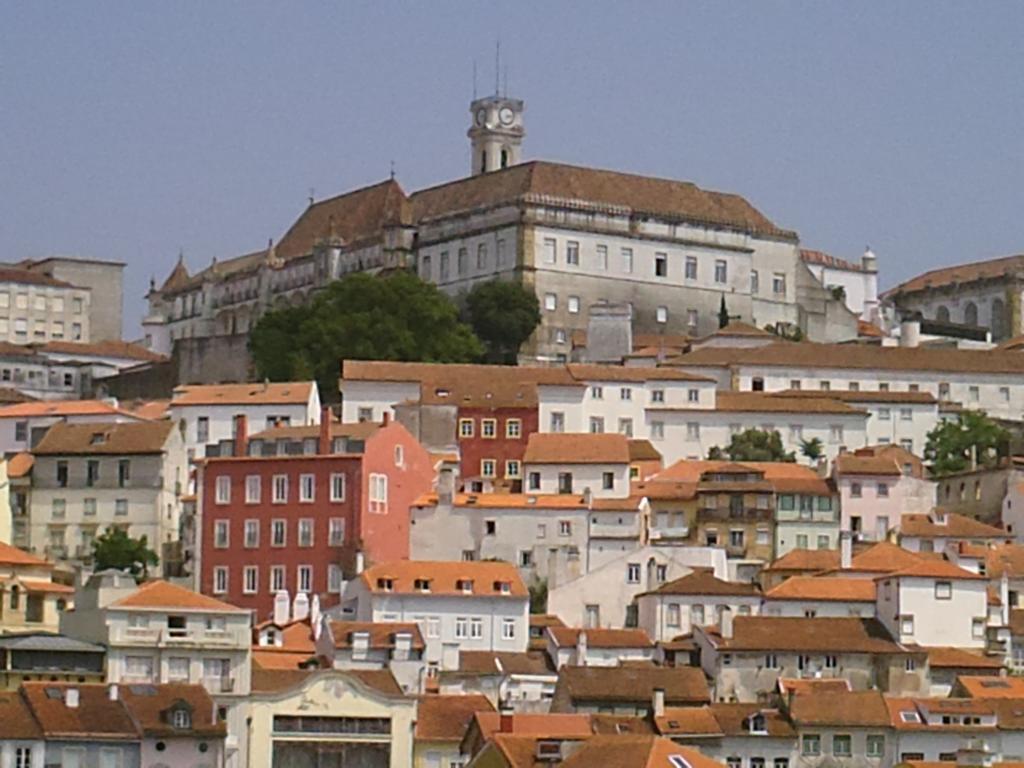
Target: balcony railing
[219,684]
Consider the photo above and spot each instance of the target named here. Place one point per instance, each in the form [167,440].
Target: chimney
[658,702]
[506,722]
[241,435]
[300,607]
[360,645]
[446,486]
[845,550]
[315,616]
[910,333]
[112,692]
[71,698]
[386,419]
[360,562]
[725,628]
[1004,599]
[581,648]
[326,418]
[282,606]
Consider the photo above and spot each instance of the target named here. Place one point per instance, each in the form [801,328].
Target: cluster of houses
[473,565]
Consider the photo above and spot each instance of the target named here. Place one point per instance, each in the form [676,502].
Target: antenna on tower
[392,170]
[506,82]
[497,66]
[474,79]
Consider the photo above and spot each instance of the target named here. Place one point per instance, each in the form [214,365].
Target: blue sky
[130,130]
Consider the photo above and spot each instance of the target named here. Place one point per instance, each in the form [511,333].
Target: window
[778,283]
[691,319]
[627,261]
[842,745]
[978,629]
[657,430]
[461,627]
[1004,394]
[488,468]
[771,661]
[875,745]
[835,433]
[221,539]
[831,662]
[691,268]
[280,489]
[59,508]
[943,590]
[906,414]
[220,580]
[202,429]
[882,490]
[336,531]
[92,476]
[337,487]
[481,256]
[736,538]
[21,431]
[973,394]
[278,533]
[426,268]
[306,532]
[120,507]
[277,582]
[252,489]
[89,507]
[884,414]
[378,493]
[550,302]
[906,625]
[661,314]
[250,579]
[721,271]
[550,250]
[533,481]
[626,427]
[305,578]
[252,534]
[661,265]
[444,266]
[810,744]
[513,429]
[625,393]
[565,528]
[307,488]
[597,392]
[462,262]
[513,469]
[465,427]
[780,762]
[124,472]
[572,253]
[692,430]
[672,617]
[602,258]
[526,558]
[658,396]
[488,428]
[608,481]
[754,281]
[633,573]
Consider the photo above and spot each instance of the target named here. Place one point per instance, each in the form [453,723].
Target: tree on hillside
[503,314]
[398,317]
[114,548]
[953,445]
[723,314]
[754,445]
[812,449]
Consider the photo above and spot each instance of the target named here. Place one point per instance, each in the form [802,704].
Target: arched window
[15,595]
[483,161]
[971,313]
[998,325]
[942,313]
[504,158]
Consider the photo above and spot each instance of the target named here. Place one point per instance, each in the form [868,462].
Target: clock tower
[496,133]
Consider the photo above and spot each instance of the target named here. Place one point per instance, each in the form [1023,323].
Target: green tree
[715,453]
[723,314]
[398,317]
[539,596]
[812,448]
[757,445]
[503,314]
[114,548]
[953,445]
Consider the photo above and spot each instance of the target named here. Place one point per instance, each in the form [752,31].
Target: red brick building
[294,505]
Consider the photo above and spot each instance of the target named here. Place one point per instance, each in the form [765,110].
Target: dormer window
[98,438]
[503,587]
[422,585]
[387,585]
[758,724]
[465,586]
[181,719]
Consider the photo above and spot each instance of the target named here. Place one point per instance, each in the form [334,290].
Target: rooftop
[955,526]
[467,578]
[569,637]
[260,393]
[989,269]
[815,635]
[113,438]
[565,448]
[159,594]
[682,685]
[824,588]
[702,581]
[446,718]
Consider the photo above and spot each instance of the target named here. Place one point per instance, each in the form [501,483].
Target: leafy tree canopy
[114,548]
[503,314]
[952,445]
[398,317]
[812,448]
[753,445]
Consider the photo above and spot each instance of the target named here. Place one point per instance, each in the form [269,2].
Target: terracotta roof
[858,709]
[541,501]
[444,577]
[813,560]
[821,635]
[545,620]
[177,278]
[885,557]
[357,430]
[808,256]
[851,464]
[115,438]
[276,680]
[1005,558]
[703,582]
[96,717]
[148,706]
[869,330]
[1017,622]
[990,269]
[804,686]
[30,277]
[739,329]
[124,350]
[446,718]
[900,704]
[268,658]
[381,634]
[854,356]
[11,395]
[553,183]
[296,638]
[734,720]
[260,393]
[683,685]
[568,637]
[778,476]
[43,586]
[163,594]
[991,686]
[58,408]
[147,409]
[959,658]
[956,526]
[621,724]
[768,402]
[16,715]
[933,568]
[547,725]
[688,721]
[356,218]
[657,489]
[635,751]
[585,448]
[11,555]
[503,663]
[643,450]
[861,396]
[825,589]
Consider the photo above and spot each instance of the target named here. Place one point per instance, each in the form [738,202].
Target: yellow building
[329,717]
[29,598]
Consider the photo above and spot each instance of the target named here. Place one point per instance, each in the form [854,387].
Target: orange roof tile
[158,594]
[835,708]
[381,633]
[549,725]
[821,258]
[636,751]
[265,393]
[541,501]
[20,465]
[956,526]
[148,706]
[933,568]
[567,448]
[688,721]
[11,555]
[446,718]
[265,658]
[41,585]
[115,438]
[824,589]
[993,686]
[568,637]
[17,717]
[42,408]
[444,578]
[960,658]
[988,269]
[96,716]
[804,686]
[702,581]
[1005,558]
[821,635]
[124,350]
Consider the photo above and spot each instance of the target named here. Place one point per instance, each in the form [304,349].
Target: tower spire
[497,65]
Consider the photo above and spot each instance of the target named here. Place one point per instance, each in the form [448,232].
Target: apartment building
[23,425]
[30,600]
[36,307]
[89,477]
[295,508]
[697,599]
[594,464]
[821,597]
[938,529]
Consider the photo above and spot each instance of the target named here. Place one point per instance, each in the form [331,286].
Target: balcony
[670,532]
[725,515]
[219,684]
[145,635]
[627,530]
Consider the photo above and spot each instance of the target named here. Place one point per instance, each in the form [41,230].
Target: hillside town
[726,504]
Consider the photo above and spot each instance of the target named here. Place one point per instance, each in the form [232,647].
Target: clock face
[506,116]
[481,116]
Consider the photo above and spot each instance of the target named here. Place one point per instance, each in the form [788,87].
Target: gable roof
[115,438]
[988,269]
[446,718]
[933,568]
[124,350]
[961,658]
[704,582]
[824,588]
[444,577]
[11,555]
[503,663]
[159,594]
[636,751]
[147,705]
[16,715]
[809,256]
[730,401]
[846,708]
[956,526]
[568,637]
[97,717]
[567,448]
[821,635]
[1004,558]
[993,686]
[682,685]
[37,408]
[260,393]
[30,277]
[381,633]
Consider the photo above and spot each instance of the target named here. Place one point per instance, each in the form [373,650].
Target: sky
[137,130]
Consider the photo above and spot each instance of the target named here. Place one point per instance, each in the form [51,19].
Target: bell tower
[496,133]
